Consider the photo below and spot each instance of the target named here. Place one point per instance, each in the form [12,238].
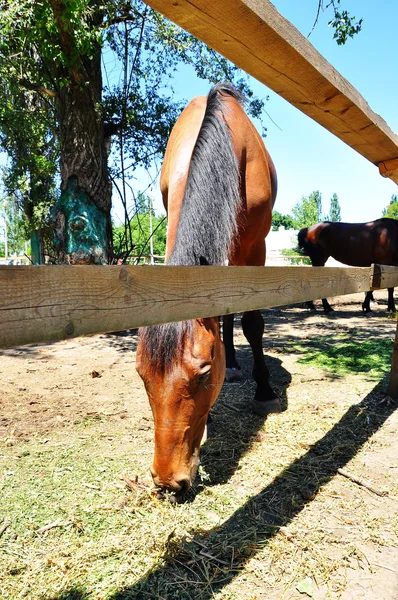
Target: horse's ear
[203,261]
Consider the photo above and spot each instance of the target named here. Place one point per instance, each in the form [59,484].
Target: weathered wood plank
[392,389]
[253,35]
[383,277]
[48,303]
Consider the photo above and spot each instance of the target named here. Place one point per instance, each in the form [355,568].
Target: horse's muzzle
[178,486]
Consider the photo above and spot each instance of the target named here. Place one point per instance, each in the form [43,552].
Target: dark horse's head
[183,368]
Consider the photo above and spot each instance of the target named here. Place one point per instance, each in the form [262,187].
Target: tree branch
[66,38]
[36,87]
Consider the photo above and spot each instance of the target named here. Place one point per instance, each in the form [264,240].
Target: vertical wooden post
[392,389]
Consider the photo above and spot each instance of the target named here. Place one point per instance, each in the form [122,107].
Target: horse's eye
[204,376]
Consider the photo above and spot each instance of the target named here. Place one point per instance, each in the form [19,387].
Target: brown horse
[219,185]
[354,244]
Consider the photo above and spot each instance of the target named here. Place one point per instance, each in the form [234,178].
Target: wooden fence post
[392,389]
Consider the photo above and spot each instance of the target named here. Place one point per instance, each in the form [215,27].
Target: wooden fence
[49,303]
[259,40]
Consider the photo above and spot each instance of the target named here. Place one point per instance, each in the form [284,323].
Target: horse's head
[183,368]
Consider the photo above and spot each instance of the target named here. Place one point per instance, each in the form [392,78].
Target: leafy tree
[53,103]
[26,135]
[50,63]
[391,210]
[334,211]
[136,238]
[308,210]
[13,226]
[279,220]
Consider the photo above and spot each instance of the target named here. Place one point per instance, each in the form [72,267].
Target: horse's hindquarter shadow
[275,506]
[234,425]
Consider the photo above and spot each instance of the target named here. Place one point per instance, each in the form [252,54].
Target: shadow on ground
[256,522]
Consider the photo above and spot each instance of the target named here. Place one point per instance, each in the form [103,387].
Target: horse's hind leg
[265,400]
[391,303]
[326,306]
[233,372]
[366,303]
[319,260]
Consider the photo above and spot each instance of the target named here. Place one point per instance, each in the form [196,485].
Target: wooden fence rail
[254,36]
[49,303]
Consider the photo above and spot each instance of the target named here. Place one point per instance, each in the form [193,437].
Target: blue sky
[307,156]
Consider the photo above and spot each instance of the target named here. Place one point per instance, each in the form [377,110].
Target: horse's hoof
[233,374]
[267,407]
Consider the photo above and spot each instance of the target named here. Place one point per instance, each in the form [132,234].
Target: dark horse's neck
[208,216]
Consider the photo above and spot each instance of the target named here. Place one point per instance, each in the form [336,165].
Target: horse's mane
[208,216]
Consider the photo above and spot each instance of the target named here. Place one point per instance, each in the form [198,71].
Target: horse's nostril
[184,485]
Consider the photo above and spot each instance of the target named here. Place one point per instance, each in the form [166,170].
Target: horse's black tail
[208,216]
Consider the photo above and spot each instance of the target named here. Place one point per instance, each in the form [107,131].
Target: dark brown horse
[354,244]
[218,185]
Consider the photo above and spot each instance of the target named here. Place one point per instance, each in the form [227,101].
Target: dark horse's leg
[325,303]
[369,297]
[391,303]
[233,372]
[265,400]
[366,303]
[310,304]
[326,306]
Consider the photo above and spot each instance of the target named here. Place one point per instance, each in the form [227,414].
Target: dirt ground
[47,387]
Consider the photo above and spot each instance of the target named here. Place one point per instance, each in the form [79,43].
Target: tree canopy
[57,115]
[391,211]
[75,74]
[308,211]
[279,220]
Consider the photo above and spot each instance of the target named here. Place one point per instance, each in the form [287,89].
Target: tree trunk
[82,216]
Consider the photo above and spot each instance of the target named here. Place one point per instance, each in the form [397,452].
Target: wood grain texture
[392,389]
[253,35]
[383,277]
[48,303]
[389,168]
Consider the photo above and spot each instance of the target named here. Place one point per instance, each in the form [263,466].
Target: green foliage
[343,24]
[334,211]
[14,227]
[391,211]
[308,210]
[48,48]
[344,354]
[133,238]
[279,220]
[295,258]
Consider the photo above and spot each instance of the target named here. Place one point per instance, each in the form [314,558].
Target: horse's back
[257,175]
[180,145]
[258,185]
[358,244]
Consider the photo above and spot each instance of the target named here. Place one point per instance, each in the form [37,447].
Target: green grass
[260,520]
[345,354]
